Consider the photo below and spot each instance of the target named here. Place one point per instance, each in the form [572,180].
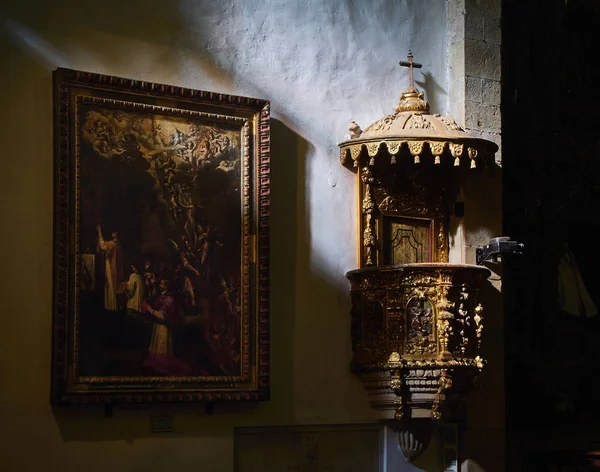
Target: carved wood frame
[252,115]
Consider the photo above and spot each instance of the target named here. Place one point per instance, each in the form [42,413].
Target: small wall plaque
[161,424]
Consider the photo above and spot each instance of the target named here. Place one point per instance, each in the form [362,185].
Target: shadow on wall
[483,205]
[308,52]
[302,289]
[130,422]
[432,89]
[483,431]
[154,22]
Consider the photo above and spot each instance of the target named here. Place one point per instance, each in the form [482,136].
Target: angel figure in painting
[227,297]
[165,316]
[113,268]
[188,153]
[203,153]
[182,201]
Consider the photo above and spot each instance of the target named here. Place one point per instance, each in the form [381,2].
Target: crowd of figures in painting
[160,233]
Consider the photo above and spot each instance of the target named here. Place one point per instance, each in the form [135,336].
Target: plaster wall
[320,64]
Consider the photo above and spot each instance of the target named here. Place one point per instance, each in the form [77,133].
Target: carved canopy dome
[412,126]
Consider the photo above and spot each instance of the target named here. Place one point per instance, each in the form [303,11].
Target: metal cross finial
[410,64]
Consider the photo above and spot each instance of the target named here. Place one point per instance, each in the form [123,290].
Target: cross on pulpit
[410,64]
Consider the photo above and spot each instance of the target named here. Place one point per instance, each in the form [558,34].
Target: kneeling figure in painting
[160,353]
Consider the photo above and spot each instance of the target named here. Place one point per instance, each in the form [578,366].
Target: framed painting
[161,245]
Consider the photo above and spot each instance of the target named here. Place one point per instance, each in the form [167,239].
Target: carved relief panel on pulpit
[405,221]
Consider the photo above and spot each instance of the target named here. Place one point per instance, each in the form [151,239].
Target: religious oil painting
[161,243]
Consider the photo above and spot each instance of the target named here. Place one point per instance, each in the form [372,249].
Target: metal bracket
[496,247]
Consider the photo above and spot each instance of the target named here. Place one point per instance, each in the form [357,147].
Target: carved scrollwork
[418,121]
[456,149]
[448,122]
[445,383]
[444,330]
[472,152]
[368,208]
[368,177]
[437,147]
[354,152]
[396,387]
[442,241]
[368,203]
[478,318]
[420,325]
[369,242]
[443,302]
[383,124]
[394,147]
[411,317]
[415,147]
[373,149]
[404,204]
[343,156]
[424,279]
[463,322]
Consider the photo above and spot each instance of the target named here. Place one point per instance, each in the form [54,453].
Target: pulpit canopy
[414,128]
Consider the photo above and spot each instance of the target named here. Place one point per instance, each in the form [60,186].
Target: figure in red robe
[160,353]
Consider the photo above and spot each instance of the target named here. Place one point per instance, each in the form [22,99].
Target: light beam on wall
[34,44]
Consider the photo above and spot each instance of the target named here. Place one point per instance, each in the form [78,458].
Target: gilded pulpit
[416,320]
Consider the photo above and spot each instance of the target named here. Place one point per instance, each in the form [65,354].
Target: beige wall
[321,64]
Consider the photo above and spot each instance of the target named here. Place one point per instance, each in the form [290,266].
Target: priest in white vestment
[113,268]
[135,290]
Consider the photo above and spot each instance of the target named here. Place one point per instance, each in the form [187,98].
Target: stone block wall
[474,75]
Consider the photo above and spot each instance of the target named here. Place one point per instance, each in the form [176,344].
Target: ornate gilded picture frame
[161,245]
